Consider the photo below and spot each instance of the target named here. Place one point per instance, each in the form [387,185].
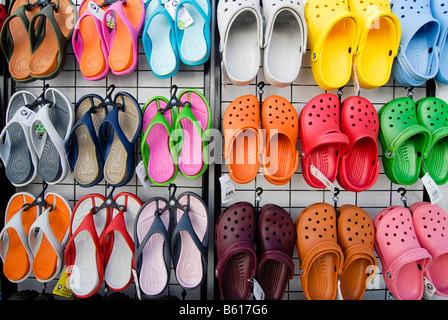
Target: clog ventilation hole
[280,221]
[320,221]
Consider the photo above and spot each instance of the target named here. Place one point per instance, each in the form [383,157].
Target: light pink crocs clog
[403,259]
[431,227]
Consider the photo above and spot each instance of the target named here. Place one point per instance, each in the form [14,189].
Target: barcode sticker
[322,178]
[227,188]
[431,187]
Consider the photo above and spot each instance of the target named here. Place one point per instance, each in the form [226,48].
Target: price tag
[62,288]
[320,176]
[227,188]
[110,20]
[184,19]
[431,187]
[142,176]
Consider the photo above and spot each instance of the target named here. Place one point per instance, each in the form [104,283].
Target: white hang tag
[137,286]
[431,187]
[258,291]
[227,188]
[320,176]
[24,116]
[356,86]
[184,19]
[95,10]
[142,176]
[339,293]
[429,289]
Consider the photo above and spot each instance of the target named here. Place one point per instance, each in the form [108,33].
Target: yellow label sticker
[62,288]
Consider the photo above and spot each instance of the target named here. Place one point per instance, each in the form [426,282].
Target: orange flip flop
[320,257]
[47,237]
[121,25]
[48,50]
[280,157]
[356,235]
[14,249]
[14,39]
[242,148]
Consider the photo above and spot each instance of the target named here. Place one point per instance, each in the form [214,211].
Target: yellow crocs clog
[333,35]
[379,39]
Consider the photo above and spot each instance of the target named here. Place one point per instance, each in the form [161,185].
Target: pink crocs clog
[404,261]
[431,227]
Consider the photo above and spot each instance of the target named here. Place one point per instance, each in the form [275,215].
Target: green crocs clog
[432,113]
[404,141]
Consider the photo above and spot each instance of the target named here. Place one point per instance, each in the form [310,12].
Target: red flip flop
[359,166]
[323,143]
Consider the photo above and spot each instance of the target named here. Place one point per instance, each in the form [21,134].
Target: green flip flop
[432,113]
[404,141]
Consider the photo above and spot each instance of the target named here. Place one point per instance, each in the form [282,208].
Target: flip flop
[323,143]
[417,60]
[14,248]
[404,141]
[47,237]
[16,150]
[284,41]
[280,158]
[380,33]
[431,114]
[14,39]
[82,146]
[159,40]
[235,251]
[359,166]
[403,260]
[240,27]
[50,130]
[48,47]
[193,41]
[121,35]
[241,123]
[152,249]
[89,45]
[158,152]
[356,236]
[276,236]
[118,242]
[320,257]
[189,241]
[430,226]
[125,121]
[193,121]
[439,12]
[83,255]
[333,35]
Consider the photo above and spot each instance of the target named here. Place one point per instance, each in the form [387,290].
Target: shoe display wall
[224,150]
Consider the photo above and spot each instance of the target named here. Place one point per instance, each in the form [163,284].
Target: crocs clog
[280,158]
[378,43]
[333,35]
[235,251]
[323,143]
[432,114]
[356,235]
[431,226]
[403,259]
[276,236]
[359,165]
[241,123]
[417,60]
[320,257]
[404,141]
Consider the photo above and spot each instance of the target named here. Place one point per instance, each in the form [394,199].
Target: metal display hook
[402,191]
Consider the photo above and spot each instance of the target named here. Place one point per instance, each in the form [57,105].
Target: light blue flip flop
[439,9]
[417,60]
[193,41]
[159,40]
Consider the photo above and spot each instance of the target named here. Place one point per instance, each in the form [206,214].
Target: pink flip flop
[193,121]
[431,227]
[89,46]
[404,261]
[156,146]
[121,25]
